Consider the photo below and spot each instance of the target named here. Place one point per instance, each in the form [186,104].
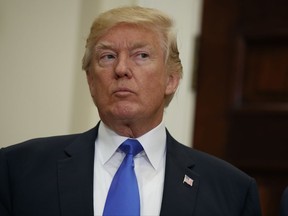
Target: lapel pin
[188,180]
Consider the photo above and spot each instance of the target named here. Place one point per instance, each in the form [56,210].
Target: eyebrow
[102,45]
[107,45]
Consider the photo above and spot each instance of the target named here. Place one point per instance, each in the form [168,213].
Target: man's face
[127,77]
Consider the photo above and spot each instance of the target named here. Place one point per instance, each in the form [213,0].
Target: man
[133,70]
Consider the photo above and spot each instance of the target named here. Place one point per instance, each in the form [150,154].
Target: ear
[172,83]
[90,80]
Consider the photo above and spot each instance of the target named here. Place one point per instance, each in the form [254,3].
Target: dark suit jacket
[284,203]
[54,176]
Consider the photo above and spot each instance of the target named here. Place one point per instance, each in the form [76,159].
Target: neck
[132,129]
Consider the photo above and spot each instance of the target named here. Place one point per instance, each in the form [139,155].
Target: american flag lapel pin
[188,180]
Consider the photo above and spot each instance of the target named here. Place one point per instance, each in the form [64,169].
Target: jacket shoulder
[38,144]
[206,164]
[53,145]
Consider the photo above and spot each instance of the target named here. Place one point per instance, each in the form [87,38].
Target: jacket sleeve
[5,196]
[284,203]
[252,204]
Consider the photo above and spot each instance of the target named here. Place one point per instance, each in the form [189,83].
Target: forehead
[130,36]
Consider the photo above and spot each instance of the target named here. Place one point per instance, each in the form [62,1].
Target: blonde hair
[140,16]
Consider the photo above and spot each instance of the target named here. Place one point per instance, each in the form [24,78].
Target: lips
[123,92]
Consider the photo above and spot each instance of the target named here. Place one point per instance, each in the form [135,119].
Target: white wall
[37,69]
[43,91]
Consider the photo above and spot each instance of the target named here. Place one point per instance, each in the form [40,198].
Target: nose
[122,68]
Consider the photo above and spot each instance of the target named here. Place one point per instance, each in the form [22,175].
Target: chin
[125,115]
[124,111]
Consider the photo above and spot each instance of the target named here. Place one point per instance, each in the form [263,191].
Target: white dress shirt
[149,167]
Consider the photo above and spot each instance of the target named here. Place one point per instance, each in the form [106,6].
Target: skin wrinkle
[128,79]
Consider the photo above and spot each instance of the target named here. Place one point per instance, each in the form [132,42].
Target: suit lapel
[75,176]
[179,197]
[76,183]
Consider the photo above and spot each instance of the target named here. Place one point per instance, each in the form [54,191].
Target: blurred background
[235,60]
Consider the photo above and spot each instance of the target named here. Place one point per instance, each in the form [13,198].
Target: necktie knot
[131,146]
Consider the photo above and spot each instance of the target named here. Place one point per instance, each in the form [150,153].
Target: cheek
[98,83]
[155,87]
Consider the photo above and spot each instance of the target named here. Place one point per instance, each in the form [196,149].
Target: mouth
[123,92]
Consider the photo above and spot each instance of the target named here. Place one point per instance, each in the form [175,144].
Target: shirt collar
[153,142]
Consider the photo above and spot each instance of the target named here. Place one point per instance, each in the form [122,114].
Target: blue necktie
[123,196]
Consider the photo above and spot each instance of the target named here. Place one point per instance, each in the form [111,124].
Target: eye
[106,58]
[143,55]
